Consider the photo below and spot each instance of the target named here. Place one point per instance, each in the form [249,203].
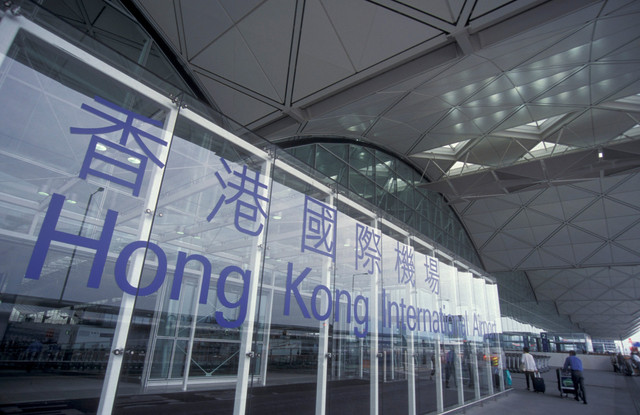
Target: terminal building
[311,206]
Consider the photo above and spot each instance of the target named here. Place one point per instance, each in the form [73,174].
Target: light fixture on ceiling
[600,154]
[101,147]
[44,190]
[133,160]
[277,216]
[73,199]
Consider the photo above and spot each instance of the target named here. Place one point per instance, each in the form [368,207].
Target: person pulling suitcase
[528,365]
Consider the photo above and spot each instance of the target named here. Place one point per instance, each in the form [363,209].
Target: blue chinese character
[319,228]
[405,264]
[368,250]
[246,186]
[433,275]
[98,146]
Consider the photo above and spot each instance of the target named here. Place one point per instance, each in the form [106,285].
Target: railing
[513,362]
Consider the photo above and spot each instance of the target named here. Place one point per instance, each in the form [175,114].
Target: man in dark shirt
[575,364]
[449,368]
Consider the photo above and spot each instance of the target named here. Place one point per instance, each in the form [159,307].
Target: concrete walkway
[607,393]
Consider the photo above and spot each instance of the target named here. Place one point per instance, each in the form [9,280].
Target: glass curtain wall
[153,259]
[481,342]
[75,190]
[428,381]
[392,186]
[450,346]
[469,357]
[398,276]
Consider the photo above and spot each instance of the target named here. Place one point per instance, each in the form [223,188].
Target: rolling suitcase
[538,383]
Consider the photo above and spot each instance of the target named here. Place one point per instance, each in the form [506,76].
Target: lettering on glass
[405,264]
[121,164]
[232,287]
[433,275]
[368,249]
[245,190]
[319,228]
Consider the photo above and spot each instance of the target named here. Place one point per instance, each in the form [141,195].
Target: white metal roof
[504,105]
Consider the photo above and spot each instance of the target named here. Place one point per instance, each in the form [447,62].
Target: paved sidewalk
[607,393]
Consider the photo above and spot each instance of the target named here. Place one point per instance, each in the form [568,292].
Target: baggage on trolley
[565,384]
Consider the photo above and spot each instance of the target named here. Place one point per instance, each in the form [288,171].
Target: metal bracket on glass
[150,212]
[328,355]
[379,354]
[175,99]
[251,354]
[271,152]
[118,352]
[15,10]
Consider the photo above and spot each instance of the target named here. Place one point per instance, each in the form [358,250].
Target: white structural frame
[11,24]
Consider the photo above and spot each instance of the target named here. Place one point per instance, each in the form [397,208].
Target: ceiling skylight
[446,150]
[538,123]
[545,149]
[460,167]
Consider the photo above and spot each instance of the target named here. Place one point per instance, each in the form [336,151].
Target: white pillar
[127,303]
[246,354]
[323,346]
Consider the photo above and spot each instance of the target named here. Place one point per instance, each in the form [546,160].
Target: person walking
[528,365]
[573,362]
[449,368]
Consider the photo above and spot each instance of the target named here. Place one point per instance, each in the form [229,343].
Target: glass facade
[392,186]
[154,259]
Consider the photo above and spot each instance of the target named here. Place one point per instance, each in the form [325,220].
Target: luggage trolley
[565,384]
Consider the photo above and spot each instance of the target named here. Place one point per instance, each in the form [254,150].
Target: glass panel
[207,222]
[398,272]
[78,156]
[294,324]
[332,166]
[110,24]
[362,186]
[394,181]
[482,345]
[452,360]
[494,329]
[425,300]
[385,177]
[305,154]
[361,160]
[466,309]
[358,264]
[339,150]
[405,192]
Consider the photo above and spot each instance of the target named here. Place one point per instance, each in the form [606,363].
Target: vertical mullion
[246,354]
[323,347]
[127,303]
[192,333]
[439,394]
[374,338]
[411,369]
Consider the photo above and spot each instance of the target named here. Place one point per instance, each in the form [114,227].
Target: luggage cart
[565,384]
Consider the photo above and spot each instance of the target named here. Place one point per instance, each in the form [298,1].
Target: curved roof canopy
[523,113]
